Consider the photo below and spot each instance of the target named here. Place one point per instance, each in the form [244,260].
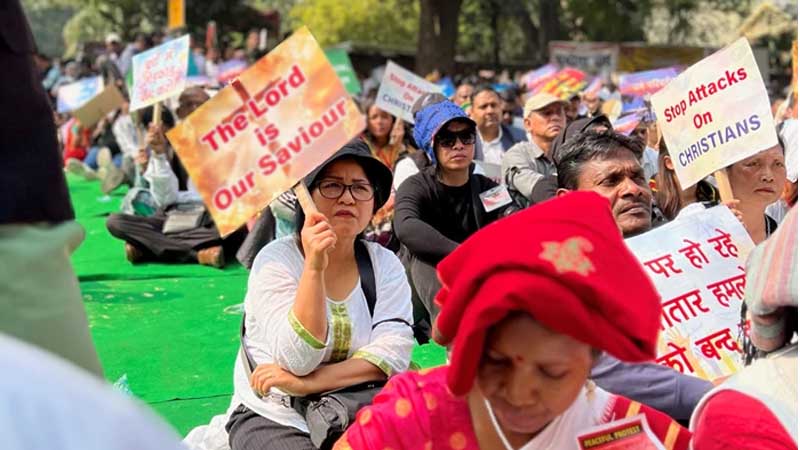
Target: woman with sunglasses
[442,205]
[308,326]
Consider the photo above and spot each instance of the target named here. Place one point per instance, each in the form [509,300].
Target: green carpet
[170,330]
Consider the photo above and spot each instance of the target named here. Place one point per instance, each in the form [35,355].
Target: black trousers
[249,431]
[145,233]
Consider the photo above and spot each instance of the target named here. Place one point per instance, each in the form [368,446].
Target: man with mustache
[495,137]
[528,167]
[608,163]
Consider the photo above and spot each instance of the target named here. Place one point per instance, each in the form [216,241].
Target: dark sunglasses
[447,139]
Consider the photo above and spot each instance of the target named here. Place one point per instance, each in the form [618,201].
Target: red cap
[562,261]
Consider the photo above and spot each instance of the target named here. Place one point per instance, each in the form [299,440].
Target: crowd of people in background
[417,193]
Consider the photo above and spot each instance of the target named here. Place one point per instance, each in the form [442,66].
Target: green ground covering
[170,330]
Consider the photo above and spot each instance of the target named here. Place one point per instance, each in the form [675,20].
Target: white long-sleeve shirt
[164,183]
[125,133]
[274,335]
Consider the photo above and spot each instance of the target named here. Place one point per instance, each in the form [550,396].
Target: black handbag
[328,414]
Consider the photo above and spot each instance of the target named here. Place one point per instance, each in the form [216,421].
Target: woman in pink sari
[527,305]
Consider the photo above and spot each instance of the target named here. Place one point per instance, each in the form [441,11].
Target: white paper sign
[697,264]
[400,88]
[160,73]
[715,113]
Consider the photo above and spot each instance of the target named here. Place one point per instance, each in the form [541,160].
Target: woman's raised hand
[318,240]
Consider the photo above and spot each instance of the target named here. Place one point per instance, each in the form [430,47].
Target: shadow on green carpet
[172,330]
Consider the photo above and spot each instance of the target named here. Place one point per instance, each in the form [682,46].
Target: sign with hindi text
[715,113]
[259,136]
[400,88]
[160,73]
[697,263]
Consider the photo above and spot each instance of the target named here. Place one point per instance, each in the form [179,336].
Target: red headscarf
[562,261]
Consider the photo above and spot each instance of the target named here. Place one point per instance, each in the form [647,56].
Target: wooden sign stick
[300,189]
[157,114]
[724,185]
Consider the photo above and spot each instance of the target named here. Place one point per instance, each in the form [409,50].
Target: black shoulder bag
[328,414]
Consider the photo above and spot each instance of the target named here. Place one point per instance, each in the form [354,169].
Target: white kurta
[275,336]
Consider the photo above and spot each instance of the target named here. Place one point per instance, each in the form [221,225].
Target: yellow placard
[281,118]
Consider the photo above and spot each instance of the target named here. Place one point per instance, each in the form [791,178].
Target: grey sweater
[654,385]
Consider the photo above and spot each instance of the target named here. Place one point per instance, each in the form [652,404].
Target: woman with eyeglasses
[308,326]
[442,205]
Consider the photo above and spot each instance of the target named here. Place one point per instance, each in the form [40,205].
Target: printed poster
[697,263]
[399,89]
[715,113]
[256,138]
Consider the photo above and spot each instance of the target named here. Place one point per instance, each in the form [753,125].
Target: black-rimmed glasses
[333,190]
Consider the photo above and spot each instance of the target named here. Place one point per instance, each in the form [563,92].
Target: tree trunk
[438,34]
[549,25]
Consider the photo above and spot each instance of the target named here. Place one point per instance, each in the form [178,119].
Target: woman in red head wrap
[527,304]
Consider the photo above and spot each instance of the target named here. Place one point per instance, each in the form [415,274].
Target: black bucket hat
[377,173]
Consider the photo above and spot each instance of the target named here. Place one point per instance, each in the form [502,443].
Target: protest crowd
[535,224]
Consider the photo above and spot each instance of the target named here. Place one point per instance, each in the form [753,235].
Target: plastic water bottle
[122,385]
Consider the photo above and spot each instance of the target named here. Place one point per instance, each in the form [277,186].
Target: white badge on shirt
[495,197]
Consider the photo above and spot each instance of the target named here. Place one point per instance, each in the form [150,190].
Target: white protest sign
[715,113]
[74,95]
[160,73]
[697,264]
[399,90]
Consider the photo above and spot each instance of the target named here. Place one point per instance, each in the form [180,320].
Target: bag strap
[365,273]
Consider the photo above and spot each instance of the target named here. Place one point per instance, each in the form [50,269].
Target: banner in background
[160,73]
[259,136]
[399,89]
[647,82]
[534,78]
[590,57]
[715,113]
[564,84]
[697,264]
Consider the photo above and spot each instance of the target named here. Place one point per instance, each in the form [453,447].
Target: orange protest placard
[259,136]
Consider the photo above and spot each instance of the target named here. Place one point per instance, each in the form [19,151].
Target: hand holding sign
[258,137]
[715,113]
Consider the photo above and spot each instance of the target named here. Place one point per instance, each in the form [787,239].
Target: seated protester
[649,155]
[528,169]
[788,132]
[440,207]
[308,327]
[127,136]
[526,322]
[76,139]
[385,137]
[415,162]
[496,138]
[608,163]
[757,407]
[180,230]
[757,182]
[669,196]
